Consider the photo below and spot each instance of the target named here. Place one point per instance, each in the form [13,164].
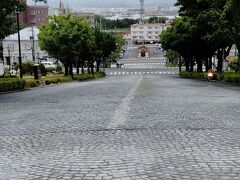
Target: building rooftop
[25,34]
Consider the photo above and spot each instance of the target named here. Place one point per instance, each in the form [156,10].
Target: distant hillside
[112,3]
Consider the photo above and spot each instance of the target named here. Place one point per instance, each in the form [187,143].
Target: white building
[10,46]
[147,32]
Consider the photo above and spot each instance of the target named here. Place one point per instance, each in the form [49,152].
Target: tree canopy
[205,28]
[74,42]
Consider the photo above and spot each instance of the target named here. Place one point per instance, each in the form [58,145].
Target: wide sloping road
[139,126]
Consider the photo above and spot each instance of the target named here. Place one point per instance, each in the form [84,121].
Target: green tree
[67,37]
[202,31]
[155,19]
[7,19]
[232,14]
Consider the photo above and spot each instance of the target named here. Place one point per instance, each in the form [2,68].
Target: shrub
[10,84]
[234,65]
[57,79]
[50,69]
[184,74]
[59,68]
[28,67]
[43,69]
[99,74]
[231,77]
[227,76]
[31,83]
[83,77]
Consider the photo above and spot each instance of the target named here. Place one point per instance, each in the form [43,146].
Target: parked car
[113,65]
[48,64]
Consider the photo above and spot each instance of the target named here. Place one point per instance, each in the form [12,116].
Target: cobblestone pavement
[136,127]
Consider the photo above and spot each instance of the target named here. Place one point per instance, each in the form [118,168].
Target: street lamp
[19,45]
[9,59]
[70,38]
[38,57]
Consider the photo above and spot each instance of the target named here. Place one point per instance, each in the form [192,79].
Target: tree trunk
[180,64]
[71,69]
[210,64]
[206,64]
[220,60]
[199,65]
[78,65]
[82,66]
[66,69]
[98,64]
[191,65]
[88,65]
[186,64]
[1,52]
[92,69]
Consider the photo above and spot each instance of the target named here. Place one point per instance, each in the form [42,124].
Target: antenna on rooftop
[142,10]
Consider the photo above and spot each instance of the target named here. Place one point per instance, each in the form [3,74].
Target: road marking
[153,58]
[121,113]
[133,64]
[135,73]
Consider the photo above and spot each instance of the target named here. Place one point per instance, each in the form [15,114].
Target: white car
[113,65]
[48,64]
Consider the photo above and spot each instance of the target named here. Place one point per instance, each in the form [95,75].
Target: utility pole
[33,24]
[142,11]
[19,46]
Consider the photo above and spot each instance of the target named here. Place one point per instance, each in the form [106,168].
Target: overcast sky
[77,4]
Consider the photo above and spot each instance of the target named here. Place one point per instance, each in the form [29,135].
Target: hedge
[83,77]
[31,83]
[225,77]
[11,84]
[55,80]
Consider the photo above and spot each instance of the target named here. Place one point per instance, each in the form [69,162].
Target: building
[34,15]
[87,15]
[10,46]
[61,10]
[148,33]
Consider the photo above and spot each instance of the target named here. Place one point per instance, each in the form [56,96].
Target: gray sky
[76,4]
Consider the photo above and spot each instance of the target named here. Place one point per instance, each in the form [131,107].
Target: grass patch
[11,84]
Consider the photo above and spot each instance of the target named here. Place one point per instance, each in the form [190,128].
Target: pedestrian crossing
[153,58]
[135,73]
[144,67]
[151,63]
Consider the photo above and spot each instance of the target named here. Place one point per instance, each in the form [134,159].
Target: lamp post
[70,38]
[19,45]
[38,57]
[9,59]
